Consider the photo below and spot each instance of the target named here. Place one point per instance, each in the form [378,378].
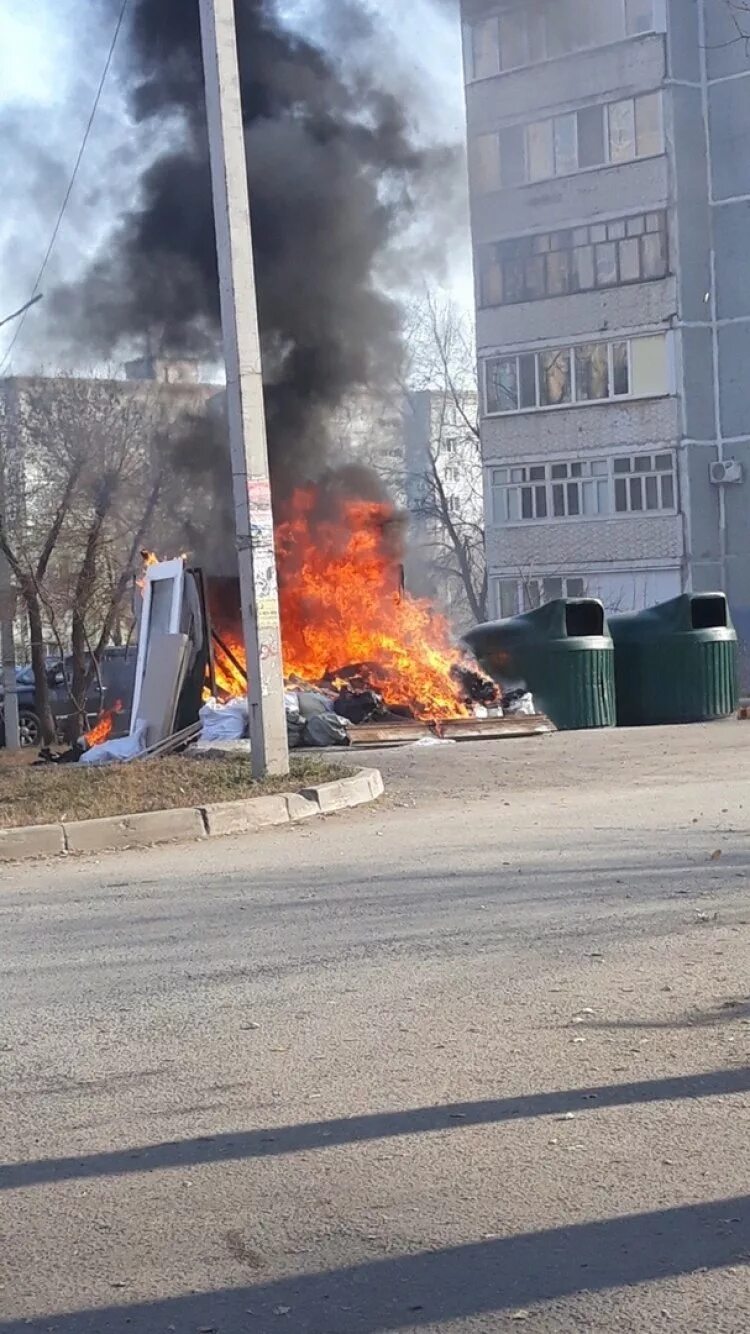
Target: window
[649,135]
[502,385]
[512,157]
[584,488]
[592,371]
[485,163]
[547,29]
[526,594]
[540,150]
[483,53]
[514,50]
[595,136]
[554,377]
[644,482]
[566,144]
[586,373]
[590,137]
[639,16]
[579,259]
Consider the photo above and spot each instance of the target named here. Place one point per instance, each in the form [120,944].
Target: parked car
[117,669]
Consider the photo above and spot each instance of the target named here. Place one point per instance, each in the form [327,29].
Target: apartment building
[610,186]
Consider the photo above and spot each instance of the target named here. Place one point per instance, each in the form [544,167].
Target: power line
[22,309]
[71,184]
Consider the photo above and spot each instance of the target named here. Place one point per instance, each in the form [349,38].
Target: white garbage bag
[119,750]
[224,722]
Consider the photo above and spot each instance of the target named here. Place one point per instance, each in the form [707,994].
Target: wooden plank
[383,734]
[485,729]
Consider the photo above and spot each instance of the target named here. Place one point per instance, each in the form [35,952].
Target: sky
[49,67]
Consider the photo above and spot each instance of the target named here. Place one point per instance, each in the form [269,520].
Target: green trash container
[562,653]
[677,662]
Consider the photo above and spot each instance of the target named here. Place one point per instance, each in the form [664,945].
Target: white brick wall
[636,307]
[570,432]
[568,546]
[547,205]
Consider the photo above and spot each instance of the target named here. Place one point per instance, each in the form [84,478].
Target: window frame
[500,490]
[525,127]
[542,31]
[611,342]
[521,587]
[494,257]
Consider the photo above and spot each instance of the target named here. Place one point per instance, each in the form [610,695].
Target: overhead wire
[71,183]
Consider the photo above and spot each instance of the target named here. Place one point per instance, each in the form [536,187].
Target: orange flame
[149,558]
[103,729]
[342,605]
[230,677]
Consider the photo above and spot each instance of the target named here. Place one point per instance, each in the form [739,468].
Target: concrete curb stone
[122,832]
[41,840]
[242,817]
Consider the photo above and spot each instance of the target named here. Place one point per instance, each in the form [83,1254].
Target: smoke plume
[336,175]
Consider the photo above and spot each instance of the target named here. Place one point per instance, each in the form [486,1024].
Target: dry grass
[74,792]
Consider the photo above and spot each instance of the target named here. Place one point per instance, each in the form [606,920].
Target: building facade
[610,188]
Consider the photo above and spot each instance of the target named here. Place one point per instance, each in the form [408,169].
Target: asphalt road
[474,1059]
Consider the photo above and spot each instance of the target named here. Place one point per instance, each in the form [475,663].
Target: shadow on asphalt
[729,1011]
[409,1291]
[281,1140]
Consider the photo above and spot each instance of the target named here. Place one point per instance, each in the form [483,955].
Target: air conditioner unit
[725,473]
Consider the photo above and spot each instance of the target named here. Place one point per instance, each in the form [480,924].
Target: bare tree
[443,457]
[87,480]
[739,13]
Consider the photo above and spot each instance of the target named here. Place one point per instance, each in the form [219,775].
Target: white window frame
[644,474]
[522,585]
[570,348]
[658,24]
[644,216]
[496,489]
[578,170]
[165,571]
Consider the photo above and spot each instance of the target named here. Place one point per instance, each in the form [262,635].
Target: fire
[103,729]
[229,666]
[342,606]
[149,558]
[345,618]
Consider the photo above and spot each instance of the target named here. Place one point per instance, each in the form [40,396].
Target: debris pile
[361,655]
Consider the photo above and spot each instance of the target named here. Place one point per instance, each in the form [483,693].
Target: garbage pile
[181,659]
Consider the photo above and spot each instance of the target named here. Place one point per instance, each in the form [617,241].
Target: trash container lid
[689,614]
[577,622]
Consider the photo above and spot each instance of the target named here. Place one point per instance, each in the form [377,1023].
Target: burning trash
[102,731]
[350,631]
[358,648]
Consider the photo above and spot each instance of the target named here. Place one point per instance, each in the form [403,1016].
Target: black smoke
[335,174]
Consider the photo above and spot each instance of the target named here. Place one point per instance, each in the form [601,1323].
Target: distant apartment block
[610,186]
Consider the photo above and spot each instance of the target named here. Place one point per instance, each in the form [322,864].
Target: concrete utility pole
[8,649]
[245,406]
[7,641]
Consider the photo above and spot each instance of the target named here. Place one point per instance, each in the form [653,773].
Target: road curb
[119,833]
